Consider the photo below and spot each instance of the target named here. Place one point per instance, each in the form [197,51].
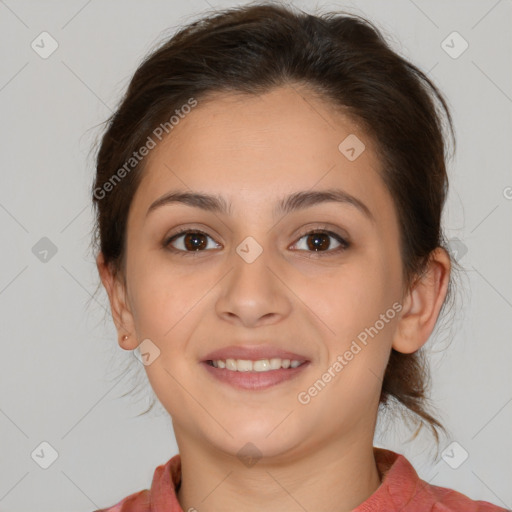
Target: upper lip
[253,353]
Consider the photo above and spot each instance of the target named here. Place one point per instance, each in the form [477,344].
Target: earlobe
[423,304]
[121,313]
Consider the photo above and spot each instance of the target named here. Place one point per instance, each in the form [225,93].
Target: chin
[261,437]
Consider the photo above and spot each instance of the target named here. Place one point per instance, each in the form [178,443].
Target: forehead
[249,148]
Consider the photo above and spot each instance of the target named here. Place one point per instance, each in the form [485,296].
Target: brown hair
[343,59]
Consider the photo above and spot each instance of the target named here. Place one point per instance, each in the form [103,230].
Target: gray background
[61,370]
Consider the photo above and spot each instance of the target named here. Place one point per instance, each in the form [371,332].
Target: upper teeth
[262,365]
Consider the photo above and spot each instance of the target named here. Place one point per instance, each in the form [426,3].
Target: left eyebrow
[306,199]
[293,202]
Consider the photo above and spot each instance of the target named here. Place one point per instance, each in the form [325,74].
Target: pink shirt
[401,490]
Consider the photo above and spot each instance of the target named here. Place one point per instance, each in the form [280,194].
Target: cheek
[356,304]
[166,310]
[347,299]
[164,296]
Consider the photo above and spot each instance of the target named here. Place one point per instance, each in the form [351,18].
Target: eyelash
[344,245]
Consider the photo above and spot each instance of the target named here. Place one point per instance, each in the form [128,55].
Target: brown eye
[189,241]
[194,241]
[319,241]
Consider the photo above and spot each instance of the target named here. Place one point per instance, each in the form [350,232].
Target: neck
[337,476]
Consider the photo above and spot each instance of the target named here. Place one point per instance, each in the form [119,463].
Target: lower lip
[255,380]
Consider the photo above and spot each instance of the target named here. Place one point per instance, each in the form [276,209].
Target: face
[320,280]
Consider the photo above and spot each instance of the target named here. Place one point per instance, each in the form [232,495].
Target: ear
[121,313]
[423,303]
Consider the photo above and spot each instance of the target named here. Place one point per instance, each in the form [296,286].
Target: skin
[317,456]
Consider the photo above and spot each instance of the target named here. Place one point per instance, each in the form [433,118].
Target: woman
[269,198]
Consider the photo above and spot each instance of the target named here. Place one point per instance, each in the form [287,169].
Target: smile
[257,375]
[262,365]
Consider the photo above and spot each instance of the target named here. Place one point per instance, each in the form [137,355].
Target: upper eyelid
[307,231]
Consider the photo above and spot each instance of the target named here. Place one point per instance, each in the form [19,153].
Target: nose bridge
[251,275]
[252,291]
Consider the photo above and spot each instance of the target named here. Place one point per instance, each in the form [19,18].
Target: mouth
[254,367]
[260,365]
[254,353]
[258,375]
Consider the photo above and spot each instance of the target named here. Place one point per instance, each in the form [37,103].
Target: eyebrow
[293,202]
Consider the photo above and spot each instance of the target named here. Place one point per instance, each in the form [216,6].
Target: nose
[253,293]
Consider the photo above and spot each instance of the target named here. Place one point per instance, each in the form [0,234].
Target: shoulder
[166,478]
[403,490]
[450,500]
[136,502]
